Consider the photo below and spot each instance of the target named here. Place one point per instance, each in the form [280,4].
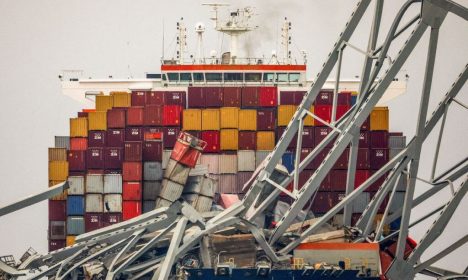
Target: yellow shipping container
[248,120]
[379,119]
[229,117]
[285,114]
[192,119]
[265,140]
[229,139]
[210,119]
[62,196]
[309,121]
[121,99]
[78,127]
[58,170]
[104,102]
[57,154]
[97,120]
[70,240]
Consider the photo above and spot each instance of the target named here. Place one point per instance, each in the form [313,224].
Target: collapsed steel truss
[183,229]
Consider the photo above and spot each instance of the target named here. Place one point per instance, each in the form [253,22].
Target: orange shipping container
[78,127]
[229,117]
[192,119]
[285,114]
[121,99]
[104,102]
[57,154]
[265,140]
[309,121]
[210,119]
[229,139]
[62,196]
[97,120]
[58,170]
[248,120]
[70,240]
[379,119]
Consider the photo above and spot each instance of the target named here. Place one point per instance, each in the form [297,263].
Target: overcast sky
[123,38]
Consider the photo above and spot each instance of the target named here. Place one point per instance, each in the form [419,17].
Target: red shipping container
[249,97]
[363,159]
[76,160]
[232,96]
[134,134]
[194,133]
[138,98]
[341,110]
[360,177]
[175,98]
[378,158]
[247,140]
[187,150]
[131,209]
[266,119]
[171,115]
[155,98]
[196,97]
[213,96]
[93,221]
[323,202]
[170,135]
[379,139]
[57,210]
[344,98]
[320,133]
[116,118]
[153,115]
[364,139]
[135,116]
[133,151]
[131,191]
[152,151]
[212,141]
[95,158]
[268,96]
[96,139]
[132,171]
[151,133]
[324,113]
[113,158]
[325,97]
[111,219]
[115,137]
[57,244]
[338,180]
[78,144]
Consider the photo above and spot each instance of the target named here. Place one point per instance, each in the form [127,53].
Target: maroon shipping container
[383,205]
[305,175]
[287,97]
[360,177]
[56,244]
[342,162]
[96,139]
[153,115]
[113,158]
[247,140]
[57,210]
[155,98]
[95,158]
[280,131]
[172,115]
[134,134]
[93,221]
[363,159]
[364,141]
[322,203]
[196,97]
[111,218]
[138,98]
[131,191]
[315,162]
[213,96]
[170,135]
[175,98]
[249,97]
[366,124]
[152,151]
[308,137]
[268,96]
[378,158]
[96,171]
[115,137]
[212,140]
[266,119]
[132,171]
[133,150]
[320,132]
[116,118]
[76,160]
[379,139]
[344,98]
[338,180]
[152,130]
[135,116]
[232,96]
[325,97]
[195,133]
[337,197]
[82,114]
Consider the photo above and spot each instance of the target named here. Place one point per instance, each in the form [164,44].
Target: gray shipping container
[94,203]
[171,191]
[112,203]
[396,142]
[260,156]
[76,185]
[393,152]
[161,202]
[165,158]
[94,183]
[212,162]
[75,225]
[360,202]
[228,164]
[200,185]
[152,171]
[151,190]
[57,230]
[227,183]
[246,161]
[177,172]
[112,183]
[149,205]
[62,142]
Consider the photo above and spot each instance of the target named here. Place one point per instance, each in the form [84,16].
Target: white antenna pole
[181,40]
[286,41]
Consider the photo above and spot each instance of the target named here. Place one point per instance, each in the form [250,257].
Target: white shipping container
[94,183]
[113,183]
[112,203]
[171,190]
[177,172]
[76,185]
[212,162]
[94,203]
[260,156]
[245,161]
[161,202]
[165,158]
[228,164]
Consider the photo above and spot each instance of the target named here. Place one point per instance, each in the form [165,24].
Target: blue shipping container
[75,225]
[288,161]
[75,205]
[353,99]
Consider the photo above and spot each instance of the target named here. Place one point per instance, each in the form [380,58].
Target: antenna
[181,40]
[286,41]
[215,7]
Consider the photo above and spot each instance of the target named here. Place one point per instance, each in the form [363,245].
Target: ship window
[198,77]
[253,77]
[173,77]
[294,77]
[186,77]
[214,77]
[233,77]
[282,77]
[269,77]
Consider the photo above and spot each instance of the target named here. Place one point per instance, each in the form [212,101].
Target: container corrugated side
[171,191]
[151,190]
[121,99]
[94,203]
[76,185]
[58,170]
[379,118]
[211,119]
[246,160]
[112,183]
[165,158]
[78,127]
[265,140]
[104,102]
[61,196]
[396,142]
[260,156]
[229,117]
[229,139]
[75,205]
[97,120]
[112,203]
[227,163]
[285,114]
[75,225]
[309,121]
[62,142]
[248,120]
[94,183]
[57,154]
[242,179]
[192,119]
[57,230]
[227,183]
[211,161]
[70,240]
[152,171]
